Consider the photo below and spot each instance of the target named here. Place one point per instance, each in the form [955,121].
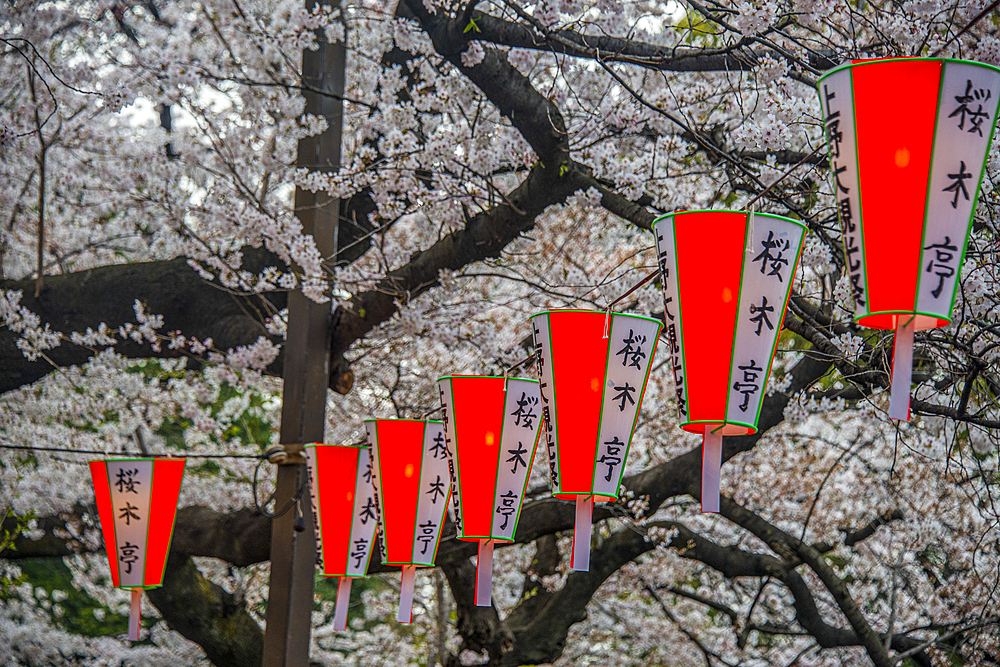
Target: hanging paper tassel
[343,602]
[484,574]
[406,594]
[902,369]
[711,470]
[135,615]
[581,533]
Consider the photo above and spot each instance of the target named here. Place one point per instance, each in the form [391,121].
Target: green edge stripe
[927,195]
[781,324]
[638,409]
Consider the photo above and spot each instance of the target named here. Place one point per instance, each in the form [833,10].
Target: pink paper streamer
[484,574]
[711,471]
[902,369]
[343,602]
[581,533]
[406,594]
[135,615]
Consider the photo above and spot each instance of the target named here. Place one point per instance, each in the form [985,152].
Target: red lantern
[593,368]
[343,500]
[137,503]
[726,279]
[410,474]
[491,426]
[908,141]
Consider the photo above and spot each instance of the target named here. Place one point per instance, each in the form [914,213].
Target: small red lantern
[345,513]
[410,474]
[908,141]
[492,430]
[137,503]
[723,310]
[593,368]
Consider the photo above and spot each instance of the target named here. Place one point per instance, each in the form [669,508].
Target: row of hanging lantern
[726,279]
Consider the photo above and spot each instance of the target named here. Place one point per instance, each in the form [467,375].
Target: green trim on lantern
[638,409]
[927,196]
[724,210]
[598,497]
[720,424]
[496,474]
[781,324]
[555,417]
[875,61]
[487,377]
[524,489]
[149,512]
[458,467]
[114,524]
[747,238]
[173,524]
[972,211]
[330,444]
[405,564]
[377,453]
[861,213]
[609,319]
[680,324]
[936,316]
[587,310]
[320,545]
[416,509]
[441,527]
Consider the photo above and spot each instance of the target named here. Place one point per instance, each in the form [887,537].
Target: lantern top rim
[402,419]
[723,210]
[485,377]
[600,312]
[876,61]
[144,458]
[335,444]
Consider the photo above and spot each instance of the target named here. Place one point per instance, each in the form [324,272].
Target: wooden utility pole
[306,375]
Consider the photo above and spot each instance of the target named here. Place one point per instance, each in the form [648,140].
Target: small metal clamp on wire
[285,455]
[607,320]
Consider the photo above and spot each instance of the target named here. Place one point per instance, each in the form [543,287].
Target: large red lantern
[410,473]
[908,141]
[726,279]
[593,368]
[137,503]
[492,429]
[343,498]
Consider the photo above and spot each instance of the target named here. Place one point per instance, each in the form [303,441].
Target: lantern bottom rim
[479,538]
[886,319]
[719,427]
[571,496]
[144,587]
[403,563]
[343,576]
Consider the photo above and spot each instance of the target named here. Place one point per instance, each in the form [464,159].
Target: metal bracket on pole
[289,454]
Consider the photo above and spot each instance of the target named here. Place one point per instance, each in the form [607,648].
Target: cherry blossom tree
[500,158]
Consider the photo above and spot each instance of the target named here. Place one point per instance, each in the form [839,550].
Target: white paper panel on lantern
[667,252]
[522,419]
[372,433]
[767,279]
[447,400]
[365,520]
[435,487]
[965,118]
[540,328]
[131,489]
[633,342]
[838,108]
